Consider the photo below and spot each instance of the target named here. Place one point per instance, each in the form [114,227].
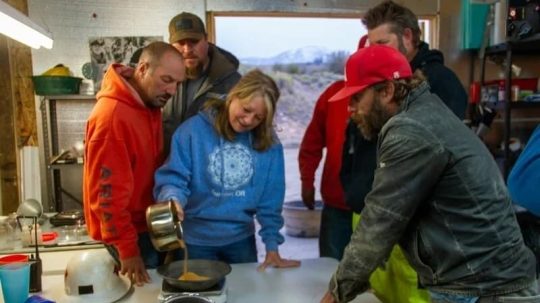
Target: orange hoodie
[123,148]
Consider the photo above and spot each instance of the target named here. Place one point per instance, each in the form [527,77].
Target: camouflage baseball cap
[186,26]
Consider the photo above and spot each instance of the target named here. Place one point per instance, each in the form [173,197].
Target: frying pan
[215,270]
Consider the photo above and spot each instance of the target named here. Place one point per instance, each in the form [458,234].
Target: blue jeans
[335,232]
[243,251]
[151,257]
[527,295]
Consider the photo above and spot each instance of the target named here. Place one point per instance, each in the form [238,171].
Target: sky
[268,36]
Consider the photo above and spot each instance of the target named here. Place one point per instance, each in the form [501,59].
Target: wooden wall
[17,117]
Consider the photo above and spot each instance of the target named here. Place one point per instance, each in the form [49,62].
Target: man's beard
[194,72]
[371,124]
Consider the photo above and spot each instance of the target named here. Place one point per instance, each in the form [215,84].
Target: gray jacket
[439,194]
[222,75]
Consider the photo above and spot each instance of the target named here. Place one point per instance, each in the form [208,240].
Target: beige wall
[449,41]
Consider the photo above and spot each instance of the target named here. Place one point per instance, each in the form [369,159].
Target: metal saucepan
[163,226]
[191,298]
[215,270]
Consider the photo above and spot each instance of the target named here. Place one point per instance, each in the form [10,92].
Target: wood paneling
[8,156]
[18,115]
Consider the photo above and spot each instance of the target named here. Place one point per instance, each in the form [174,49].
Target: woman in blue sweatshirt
[225,167]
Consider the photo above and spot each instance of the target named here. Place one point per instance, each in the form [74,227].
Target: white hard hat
[92,277]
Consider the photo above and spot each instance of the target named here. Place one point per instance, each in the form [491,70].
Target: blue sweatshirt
[524,179]
[221,185]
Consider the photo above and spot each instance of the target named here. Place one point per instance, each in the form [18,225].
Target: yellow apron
[397,281]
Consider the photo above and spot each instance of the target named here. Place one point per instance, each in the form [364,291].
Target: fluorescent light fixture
[18,26]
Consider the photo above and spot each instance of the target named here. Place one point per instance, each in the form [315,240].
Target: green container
[56,85]
[473,23]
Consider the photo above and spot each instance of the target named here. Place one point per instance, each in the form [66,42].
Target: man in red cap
[437,194]
[392,24]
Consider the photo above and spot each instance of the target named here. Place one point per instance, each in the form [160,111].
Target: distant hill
[299,92]
[308,54]
[301,75]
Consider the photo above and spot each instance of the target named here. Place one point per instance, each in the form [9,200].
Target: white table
[245,284]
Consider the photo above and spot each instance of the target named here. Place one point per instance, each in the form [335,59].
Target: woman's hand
[179,209]
[274,259]
[177,206]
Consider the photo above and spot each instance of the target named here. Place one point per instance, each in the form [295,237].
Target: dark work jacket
[222,75]
[440,195]
[358,160]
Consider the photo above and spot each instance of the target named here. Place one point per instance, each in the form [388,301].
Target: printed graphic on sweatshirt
[230,166]
[105,199]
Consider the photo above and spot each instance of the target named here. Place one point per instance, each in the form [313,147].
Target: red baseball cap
[371,65]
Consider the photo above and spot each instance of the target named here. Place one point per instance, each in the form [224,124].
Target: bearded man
[210,71]
[438,194]
[122,151]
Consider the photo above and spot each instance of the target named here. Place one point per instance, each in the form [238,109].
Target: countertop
[69,238]
[245,284]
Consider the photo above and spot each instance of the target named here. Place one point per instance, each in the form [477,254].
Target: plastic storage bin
[56,85]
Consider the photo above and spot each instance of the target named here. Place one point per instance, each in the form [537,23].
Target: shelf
[530,45]
[64,165]
[513,105]
[69,97]
[63,119]
[519,120]
[524,104]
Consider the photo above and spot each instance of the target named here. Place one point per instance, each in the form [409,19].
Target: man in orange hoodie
[124,144]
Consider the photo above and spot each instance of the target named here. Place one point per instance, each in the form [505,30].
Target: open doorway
[304,53]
